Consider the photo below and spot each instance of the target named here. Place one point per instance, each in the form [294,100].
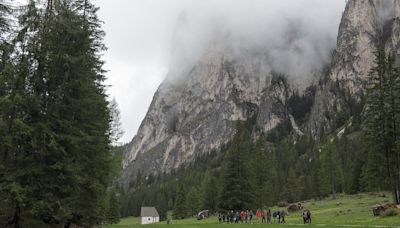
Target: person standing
[262,216]
[278,215]
[283,213]
[274,216]
[250,215]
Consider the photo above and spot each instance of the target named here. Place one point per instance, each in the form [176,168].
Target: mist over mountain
[296,43]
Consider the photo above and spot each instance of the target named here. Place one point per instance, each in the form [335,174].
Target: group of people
[247,216]
[236,217]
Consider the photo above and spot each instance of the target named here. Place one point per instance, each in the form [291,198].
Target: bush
[283,204]
[391,212]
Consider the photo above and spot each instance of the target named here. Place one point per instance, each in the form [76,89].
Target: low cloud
[296,35]
[146,38]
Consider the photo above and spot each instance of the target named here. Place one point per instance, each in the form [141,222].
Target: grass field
[344,211]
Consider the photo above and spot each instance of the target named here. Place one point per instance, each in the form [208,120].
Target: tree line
[56,160]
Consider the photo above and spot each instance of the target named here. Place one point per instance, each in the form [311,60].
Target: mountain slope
[191,115]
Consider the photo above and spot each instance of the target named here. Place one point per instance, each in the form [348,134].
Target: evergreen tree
[382,120]
[116,125]
[55,121]
[193,201]
[180,210]
[293,190]
[330,172]
[113,210]
[263,171]
[162,205]
[209,191]
[17,103]
[237,186]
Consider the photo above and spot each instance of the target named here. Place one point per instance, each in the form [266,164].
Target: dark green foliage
[193,201]
[300,106]
[209,192]
[330,172]
[162,206]
[236,177]
[180,209]
[161,192]
[113,207]
[381,125]
[55,120]
[281,131]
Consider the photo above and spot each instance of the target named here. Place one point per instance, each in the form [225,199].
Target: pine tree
[382,120]
[113,210]
[293,190]
[18,112]
[162,205]
[116,125]
[263,174]
[330,172]
[55,121]
[193,201]
[237,187]
[180,210]
[209,191]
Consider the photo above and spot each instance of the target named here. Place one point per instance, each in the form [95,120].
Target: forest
[56,158]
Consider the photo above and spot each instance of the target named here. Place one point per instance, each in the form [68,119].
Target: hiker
[307,217]
[274,216]
[250,215]
[223,218]
[258,214]
[278,215]
[269,216]
[262,213]
[219,218]
[283,216]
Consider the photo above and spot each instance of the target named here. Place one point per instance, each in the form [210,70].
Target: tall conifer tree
[382,120]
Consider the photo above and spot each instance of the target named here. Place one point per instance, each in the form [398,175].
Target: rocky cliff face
[393,43]
[195,114]
[358,37]
[365,26]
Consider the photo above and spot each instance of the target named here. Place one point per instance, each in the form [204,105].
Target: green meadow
[339,211]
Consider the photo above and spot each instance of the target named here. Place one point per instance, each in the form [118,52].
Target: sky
[146,38]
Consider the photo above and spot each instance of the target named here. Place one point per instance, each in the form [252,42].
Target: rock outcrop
[393,43]
[360,33]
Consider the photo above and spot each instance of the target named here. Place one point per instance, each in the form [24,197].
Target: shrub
[283,204]
[391,212]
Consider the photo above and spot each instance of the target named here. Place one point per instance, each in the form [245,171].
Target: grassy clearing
[354,210]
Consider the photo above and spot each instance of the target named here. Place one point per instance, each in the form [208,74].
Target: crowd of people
[246,216]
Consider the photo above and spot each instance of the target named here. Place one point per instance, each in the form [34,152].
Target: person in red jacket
[262,213]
